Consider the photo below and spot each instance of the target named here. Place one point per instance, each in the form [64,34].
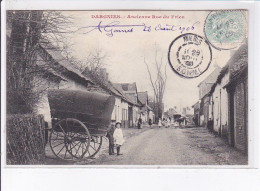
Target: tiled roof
[128,87]
[210,81]
[236,65]
[142,97]
[127,90]
[239,61]
[123,95]
[57,57]
[212,77]
[223,71]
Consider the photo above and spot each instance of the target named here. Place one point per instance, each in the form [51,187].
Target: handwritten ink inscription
[114,27]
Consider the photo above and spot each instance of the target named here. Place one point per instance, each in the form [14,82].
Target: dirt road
[173,146]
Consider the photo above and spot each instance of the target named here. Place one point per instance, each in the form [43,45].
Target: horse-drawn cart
[79,120]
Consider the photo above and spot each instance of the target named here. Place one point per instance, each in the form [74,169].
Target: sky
[126,51]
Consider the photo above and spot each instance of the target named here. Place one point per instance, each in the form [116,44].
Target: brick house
[237,89]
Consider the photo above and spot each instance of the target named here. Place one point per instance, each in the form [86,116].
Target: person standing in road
[150,122]
[118,137]
[110,132]
[160,123]
[140,121]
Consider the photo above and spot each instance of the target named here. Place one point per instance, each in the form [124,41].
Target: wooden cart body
[91,108]
[79,120]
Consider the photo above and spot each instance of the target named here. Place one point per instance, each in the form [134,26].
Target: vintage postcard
[127,87]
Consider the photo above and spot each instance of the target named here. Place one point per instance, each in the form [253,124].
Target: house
[128,108]
[121,110]
[204,88]
[56,73]
[237,89]
[145,110]
[129,91]
[218,104]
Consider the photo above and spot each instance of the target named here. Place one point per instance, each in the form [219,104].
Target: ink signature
[179,28]
[115,27]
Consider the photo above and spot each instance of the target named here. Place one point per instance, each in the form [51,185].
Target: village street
[171,146]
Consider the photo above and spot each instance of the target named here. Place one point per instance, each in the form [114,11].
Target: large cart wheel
[69,139]
[94,147]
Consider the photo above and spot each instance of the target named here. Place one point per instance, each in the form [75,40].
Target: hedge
[25,140]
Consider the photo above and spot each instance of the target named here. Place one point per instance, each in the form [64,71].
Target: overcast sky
[126,50]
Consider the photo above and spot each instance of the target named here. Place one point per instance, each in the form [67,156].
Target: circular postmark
[225,29]
[189,55]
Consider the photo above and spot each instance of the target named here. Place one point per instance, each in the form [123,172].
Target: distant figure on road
[140,121]
[150,122]
[110,132]
[172,122]
[160,123]
[210,124]
[168,122]
[118,137]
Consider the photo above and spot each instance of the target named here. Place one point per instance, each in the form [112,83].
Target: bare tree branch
[158,83]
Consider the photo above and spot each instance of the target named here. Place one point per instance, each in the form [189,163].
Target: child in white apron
[118,137]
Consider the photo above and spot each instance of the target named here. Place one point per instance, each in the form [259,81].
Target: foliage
[25,143]
[94,68]
[27,31]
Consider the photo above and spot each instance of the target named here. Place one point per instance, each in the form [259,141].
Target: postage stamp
[225,29]
[189,55]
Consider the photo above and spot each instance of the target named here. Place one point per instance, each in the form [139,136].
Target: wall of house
[211,107]
[72,85]
[117,111]
[240,116]
[124,121]
[196,114]
[135,115]
[206,110]
[144,114]
[224,106]
[220,107]
[42,106]
[216,109]
[204,88]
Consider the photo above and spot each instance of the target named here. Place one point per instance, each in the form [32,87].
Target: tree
[94,68]
[158,83]
[29,30]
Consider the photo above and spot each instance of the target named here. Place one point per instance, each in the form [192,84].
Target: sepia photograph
[127,87]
